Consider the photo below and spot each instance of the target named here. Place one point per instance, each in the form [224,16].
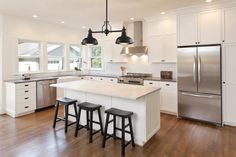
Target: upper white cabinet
[200,28]
[187,29]
[230,25]
[161,40]
[162,49]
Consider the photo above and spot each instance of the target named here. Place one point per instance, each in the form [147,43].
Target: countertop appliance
[46,95]
[199,83]
[133,78]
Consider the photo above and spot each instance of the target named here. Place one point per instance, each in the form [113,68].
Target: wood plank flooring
[33,136]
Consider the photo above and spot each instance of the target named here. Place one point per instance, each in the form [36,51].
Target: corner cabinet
[168,95]
[20,98]
[200,28]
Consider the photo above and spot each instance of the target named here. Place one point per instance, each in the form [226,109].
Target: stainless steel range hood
[137,48]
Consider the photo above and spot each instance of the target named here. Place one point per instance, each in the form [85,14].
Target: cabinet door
[187,29]
[230,25]
[170,48]
[209,27]
[106,47]
[168,97]
[230,64]
[155,48]
[230,108]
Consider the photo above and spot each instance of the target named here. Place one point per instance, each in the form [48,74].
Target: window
[96,57]
[55,56]
[75,57]
[28,55]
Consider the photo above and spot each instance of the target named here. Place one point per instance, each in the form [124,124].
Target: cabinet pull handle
[167,84]
[26,85]
[26,91]
[163,60]
[101,79]
[150,83]
[91,78]
[111,79]
[26,106]
[82,78]
[26,98]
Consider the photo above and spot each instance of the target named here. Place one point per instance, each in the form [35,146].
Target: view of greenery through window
[28,54]
[96,57]
[75,57]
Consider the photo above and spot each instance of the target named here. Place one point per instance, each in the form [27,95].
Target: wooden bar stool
[123,115]
[66,102]
[89,108]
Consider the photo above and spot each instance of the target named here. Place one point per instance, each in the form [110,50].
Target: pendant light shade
[124,39]
[90,40]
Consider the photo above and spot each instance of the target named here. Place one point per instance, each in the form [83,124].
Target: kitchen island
[144,101]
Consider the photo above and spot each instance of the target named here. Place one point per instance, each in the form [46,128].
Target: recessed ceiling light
[62,22]
[132,18]
[35,16]
[163,13]
[84,27]
[208,1]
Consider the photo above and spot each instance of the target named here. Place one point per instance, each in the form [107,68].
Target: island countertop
[125,91]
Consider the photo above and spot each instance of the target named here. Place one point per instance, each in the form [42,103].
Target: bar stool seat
[66,102]
[89,108]
[123,115]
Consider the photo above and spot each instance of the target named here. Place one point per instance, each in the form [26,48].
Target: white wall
[15,28]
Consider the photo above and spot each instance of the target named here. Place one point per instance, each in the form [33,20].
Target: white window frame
[69,56]
[90,59]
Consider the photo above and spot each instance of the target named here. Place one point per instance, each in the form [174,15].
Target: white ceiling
[90,13]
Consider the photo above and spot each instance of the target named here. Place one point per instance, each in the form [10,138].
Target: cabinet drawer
[25,85]
[25,107]
[25,98]
[151,83]
[172,85]
[24,91]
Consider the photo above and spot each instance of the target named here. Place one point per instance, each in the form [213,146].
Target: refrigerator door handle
[194,69]
[199,69]
[198,95]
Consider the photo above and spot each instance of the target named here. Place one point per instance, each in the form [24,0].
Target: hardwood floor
[33,136]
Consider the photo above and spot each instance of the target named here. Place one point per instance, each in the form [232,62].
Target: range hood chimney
[137,48]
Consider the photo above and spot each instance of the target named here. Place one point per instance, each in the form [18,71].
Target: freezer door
[209,70]
[204,107]
[187,69]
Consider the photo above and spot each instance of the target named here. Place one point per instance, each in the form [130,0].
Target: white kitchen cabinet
[187,29]
[230,25]
[162,48]
[229,88]
[210,27]
[200,28]
[20,98]
[168,95]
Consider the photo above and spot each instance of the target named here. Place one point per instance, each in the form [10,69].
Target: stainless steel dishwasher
[46,95]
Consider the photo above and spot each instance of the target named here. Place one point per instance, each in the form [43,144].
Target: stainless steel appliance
[199,83]
[133,78]
[46,95]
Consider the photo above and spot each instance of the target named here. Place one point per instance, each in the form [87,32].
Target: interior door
[209,69]
[187,69]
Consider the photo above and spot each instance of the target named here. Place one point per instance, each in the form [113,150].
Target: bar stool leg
[77,123]
[91,127]
[131,132]
[55,116]
[66,118]
[123,137]
[114,127]
[75,110]
[105,132]
[87,118]
[100,120]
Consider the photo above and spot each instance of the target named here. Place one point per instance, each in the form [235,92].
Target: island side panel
[153,114]
[138,119]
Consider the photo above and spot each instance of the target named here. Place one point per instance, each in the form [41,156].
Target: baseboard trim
[170,113]
[230,124]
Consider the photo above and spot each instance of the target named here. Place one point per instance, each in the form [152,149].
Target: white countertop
[125,91]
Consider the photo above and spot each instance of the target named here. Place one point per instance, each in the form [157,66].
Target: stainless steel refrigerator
[199,83]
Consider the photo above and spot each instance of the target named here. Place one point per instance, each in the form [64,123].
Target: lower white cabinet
[20,98]
[168,95]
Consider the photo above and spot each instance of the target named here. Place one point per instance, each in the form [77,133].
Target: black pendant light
[106,29]
[90,40]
